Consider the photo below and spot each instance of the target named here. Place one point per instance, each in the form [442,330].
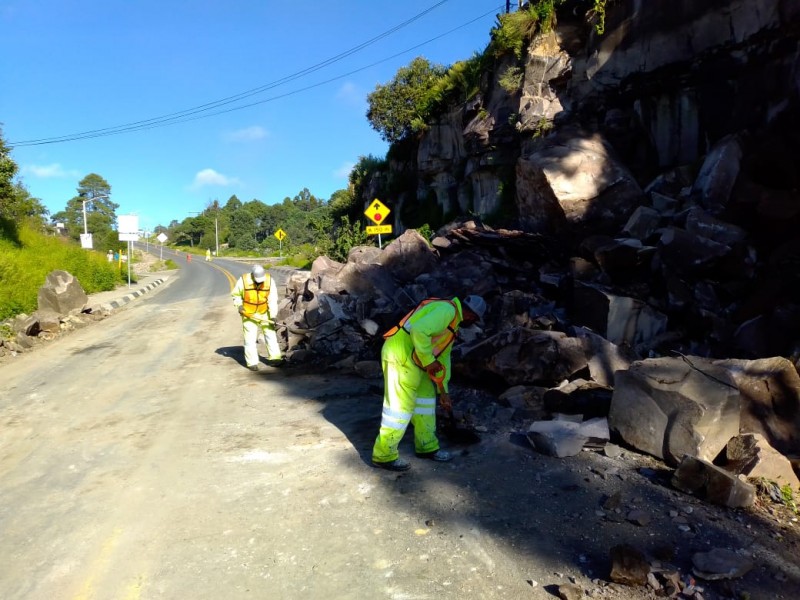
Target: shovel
[450,427]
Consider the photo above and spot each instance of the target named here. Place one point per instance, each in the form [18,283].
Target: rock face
[645,232]
[62,294]
[675,208]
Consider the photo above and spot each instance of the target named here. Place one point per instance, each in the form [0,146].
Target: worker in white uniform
[256,298]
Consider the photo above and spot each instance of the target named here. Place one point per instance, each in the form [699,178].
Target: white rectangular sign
[86,241]
[127,224]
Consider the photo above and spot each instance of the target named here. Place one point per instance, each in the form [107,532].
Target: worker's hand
[241,310]
[434,368]
[445,402]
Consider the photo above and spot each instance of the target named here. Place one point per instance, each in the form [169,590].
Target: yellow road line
[231,278]
[134,590]
[99,563]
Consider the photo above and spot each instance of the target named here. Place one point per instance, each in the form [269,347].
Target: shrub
[25,263]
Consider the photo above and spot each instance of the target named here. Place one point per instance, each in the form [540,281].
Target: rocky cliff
[662,155]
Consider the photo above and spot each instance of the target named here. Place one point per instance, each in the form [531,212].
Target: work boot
[397,464]
[276,362]
[438,455]
[253,367]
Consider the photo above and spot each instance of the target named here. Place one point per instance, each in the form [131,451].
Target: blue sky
[73,66]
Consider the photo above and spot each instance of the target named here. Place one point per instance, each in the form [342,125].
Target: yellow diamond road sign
[280,234]
[377,212]
[377,229]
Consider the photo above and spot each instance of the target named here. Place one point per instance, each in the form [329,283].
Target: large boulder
[526,356]
[62,294]
[573,176]
[751,455]
[408,257]
[770,391]
[713,484]
[620,319]
[718,174]
[670,407]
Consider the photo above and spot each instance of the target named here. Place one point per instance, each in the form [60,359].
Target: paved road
[139,459]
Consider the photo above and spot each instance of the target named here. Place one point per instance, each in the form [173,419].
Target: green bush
[26,261]
[514,30]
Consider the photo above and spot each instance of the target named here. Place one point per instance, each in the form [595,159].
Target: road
[139,459]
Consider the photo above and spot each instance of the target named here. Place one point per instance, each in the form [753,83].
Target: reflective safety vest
[255,299]
[439,342]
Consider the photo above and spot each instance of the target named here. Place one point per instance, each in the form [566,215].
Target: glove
[434,368]
[241,310]
[445,401]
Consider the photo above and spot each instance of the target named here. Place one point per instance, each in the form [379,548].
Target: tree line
[312,225]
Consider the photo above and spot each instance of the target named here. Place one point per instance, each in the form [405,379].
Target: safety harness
[439,342]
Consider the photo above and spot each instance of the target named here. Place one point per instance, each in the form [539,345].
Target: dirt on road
[140,459]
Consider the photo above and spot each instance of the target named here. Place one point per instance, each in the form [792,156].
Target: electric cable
[241,95]
[195,113]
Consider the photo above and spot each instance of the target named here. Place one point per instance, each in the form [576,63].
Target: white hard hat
[477,305]
[258,273]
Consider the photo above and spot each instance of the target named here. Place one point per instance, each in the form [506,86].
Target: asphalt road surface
[140,459]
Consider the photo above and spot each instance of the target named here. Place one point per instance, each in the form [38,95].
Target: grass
[27,257]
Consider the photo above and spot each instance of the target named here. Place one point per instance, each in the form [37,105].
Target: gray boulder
[62,294]
[668,407]
[713,484]
[525,356]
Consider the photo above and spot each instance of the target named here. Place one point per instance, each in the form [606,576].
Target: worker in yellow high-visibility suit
[256,299]
[414,351]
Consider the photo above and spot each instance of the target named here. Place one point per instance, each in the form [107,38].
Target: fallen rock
[569,591]
[525,356]
[556,438]
[620,319]
[628,566]
[670,407]
[751,455]
[720,563]
[62,294]
[770,391]
[713,484]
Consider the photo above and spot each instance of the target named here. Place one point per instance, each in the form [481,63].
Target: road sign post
[377,213]
[161,238]
[128,231]
[280,234]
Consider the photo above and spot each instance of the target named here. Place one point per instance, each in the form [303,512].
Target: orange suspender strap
[451,328]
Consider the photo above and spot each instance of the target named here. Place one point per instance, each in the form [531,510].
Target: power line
[196,113]
[234,98]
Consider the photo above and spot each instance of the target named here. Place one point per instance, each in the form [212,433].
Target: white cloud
[247,134]
[350,93]
[208,177]
[52,171]
[343,172]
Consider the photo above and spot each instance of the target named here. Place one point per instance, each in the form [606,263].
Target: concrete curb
[114,304]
